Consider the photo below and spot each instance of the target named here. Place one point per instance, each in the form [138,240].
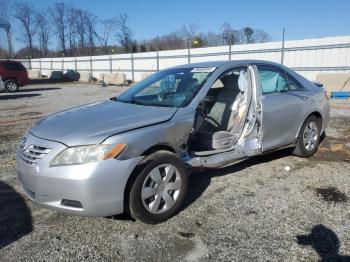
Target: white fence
[309,57]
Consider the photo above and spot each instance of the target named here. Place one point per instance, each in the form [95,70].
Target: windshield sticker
[203,69]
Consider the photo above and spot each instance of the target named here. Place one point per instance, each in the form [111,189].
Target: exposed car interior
[170,88]
[222,114]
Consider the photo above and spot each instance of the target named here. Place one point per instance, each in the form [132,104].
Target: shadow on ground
[39,89]
[15,216]
[48,81]
[325,242]
[17,96]
[200,180]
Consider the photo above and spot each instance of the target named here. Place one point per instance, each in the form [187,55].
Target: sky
[149,18]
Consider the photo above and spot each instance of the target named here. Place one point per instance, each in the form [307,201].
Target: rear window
[294,84]
[272,80]
[13,66]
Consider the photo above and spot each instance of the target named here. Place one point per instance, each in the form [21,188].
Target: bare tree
[58,15]
[6,9]
[229,34]
[173,40]
[212,39]
[189,31]
[124,34]
[80,28]
[43,32]
[108,28]
[143,47]
[25,13]
[248,32]
[90,22]
[192,30]
[71,30]
[4,53]
[155,44]
[80,32]
[260,36]
[84,30]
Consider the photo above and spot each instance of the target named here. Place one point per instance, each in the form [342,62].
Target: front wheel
[159,189]
[308,138]
[11,86]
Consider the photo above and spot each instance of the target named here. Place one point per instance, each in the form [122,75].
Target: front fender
[173,133]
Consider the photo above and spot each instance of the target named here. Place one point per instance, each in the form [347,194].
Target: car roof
[227,63]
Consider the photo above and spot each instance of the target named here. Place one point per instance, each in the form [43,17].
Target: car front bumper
[93,189]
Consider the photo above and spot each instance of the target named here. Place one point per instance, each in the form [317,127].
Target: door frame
[249,144]
[263,96]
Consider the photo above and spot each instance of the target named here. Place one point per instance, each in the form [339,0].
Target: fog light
[71,203]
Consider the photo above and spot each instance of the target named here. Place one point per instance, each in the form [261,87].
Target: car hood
[91,124]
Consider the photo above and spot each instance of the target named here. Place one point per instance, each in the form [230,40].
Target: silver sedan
[132,153]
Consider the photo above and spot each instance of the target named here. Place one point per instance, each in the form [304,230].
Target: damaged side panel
[173,134]
[249,143]
[251,139]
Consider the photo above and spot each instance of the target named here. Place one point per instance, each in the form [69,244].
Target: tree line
[64,30]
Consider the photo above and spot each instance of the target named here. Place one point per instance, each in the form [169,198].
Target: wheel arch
[10,78]
[314,113]
[139,166]
[158,147]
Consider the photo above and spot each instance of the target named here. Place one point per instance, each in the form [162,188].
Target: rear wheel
[308,138]
[159,189]
[11,86]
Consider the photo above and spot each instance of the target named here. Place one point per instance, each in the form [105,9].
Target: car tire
[159,188]
[11,86]
[308,138]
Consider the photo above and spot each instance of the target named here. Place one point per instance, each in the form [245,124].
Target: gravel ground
[255,210]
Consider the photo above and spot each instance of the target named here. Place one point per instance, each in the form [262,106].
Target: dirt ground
[274,207]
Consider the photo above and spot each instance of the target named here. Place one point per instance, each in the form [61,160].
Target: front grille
[33,154]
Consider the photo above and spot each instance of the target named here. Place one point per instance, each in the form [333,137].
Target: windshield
[168,88]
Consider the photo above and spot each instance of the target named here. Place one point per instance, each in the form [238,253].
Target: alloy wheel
[310,136]
[11,86]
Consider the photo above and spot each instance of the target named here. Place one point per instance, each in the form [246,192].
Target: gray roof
[226,62]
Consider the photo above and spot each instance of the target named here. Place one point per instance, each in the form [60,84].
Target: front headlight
[87,154]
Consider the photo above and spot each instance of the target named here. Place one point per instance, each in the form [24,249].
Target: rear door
[281,109]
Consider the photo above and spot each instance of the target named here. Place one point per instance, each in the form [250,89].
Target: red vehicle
[13,75]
